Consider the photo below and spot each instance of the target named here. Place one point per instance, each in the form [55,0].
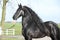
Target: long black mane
[34,15]
[37,20]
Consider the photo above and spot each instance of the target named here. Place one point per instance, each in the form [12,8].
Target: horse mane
[34,15]
[36,19]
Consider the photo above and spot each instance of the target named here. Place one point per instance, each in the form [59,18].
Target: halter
[20,13]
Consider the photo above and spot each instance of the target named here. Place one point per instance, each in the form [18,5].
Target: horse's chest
[25,21]
[35,32]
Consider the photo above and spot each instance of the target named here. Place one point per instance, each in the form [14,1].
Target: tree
[3,13]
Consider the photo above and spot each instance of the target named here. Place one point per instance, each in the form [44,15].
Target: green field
[17,27]
[18,30]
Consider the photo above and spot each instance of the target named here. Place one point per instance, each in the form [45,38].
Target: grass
[59,25]
[17,27]
[18,30]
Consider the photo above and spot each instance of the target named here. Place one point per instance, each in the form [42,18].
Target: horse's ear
[20,6]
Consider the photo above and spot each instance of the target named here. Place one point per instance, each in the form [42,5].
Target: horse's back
[52,26]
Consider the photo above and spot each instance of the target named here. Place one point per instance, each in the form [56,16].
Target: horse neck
[26,12]
[33,14]
[26,19]
[36,18]
[27,15]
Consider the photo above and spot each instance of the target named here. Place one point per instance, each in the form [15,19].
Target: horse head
[18,13]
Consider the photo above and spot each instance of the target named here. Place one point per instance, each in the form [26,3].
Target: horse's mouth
[14,21]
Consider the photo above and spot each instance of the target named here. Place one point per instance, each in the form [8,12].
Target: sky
[47,10]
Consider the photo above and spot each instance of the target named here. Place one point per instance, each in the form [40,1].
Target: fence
[9,34]
[14,37]
[7,31]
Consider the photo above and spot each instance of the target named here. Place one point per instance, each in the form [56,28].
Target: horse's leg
[28,38]
[53,37]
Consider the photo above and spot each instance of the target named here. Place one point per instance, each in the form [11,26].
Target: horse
[50,25]
[33,26]
[30,28]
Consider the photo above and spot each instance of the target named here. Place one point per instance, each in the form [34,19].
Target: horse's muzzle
[14,21]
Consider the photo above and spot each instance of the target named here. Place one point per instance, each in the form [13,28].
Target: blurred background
[47,10]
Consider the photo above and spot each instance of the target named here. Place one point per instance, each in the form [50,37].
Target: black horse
[33,26]
[54,31]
